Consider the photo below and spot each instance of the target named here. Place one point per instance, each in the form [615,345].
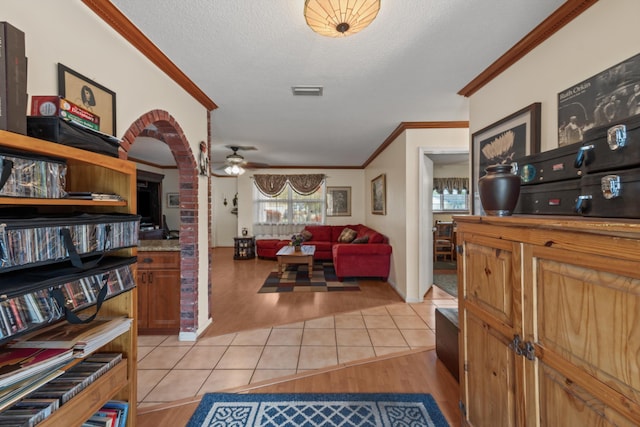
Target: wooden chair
[443,245]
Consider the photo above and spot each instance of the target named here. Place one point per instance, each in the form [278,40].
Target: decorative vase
[499,190]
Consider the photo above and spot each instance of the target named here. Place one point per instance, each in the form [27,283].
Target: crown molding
[123,26]
[558,19]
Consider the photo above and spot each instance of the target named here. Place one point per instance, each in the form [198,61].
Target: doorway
[435,163]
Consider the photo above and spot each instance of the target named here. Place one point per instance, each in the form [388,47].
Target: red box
[50,105]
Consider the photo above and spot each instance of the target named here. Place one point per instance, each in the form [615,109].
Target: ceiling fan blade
[241,147]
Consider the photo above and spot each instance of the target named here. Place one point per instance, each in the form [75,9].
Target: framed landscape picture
[379,195]
[173,200]
[503,142]
[338,201]
[89,95]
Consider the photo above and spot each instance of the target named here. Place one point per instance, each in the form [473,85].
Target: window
[450,195]
[457,200]
[288,212]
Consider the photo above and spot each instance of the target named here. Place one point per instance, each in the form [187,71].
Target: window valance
[272,185]
[450,184]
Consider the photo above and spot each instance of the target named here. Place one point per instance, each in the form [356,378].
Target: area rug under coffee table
[296,279]
[311,410]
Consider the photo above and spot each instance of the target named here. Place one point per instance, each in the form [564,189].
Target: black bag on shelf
[553,198]
[29,241]
[612,194]
[612,147]
[558,164]
[57,129]
[37,297]
[28,175]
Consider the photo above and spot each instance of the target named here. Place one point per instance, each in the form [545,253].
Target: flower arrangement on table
[296,240]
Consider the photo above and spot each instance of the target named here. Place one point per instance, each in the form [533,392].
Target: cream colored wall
[67,32]
[225,223]
[335,178]
[602,36]
[451,171]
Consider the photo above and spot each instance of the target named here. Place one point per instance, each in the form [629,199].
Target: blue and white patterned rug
[312,410]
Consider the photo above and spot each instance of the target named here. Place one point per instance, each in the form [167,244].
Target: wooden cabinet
[90,172]
[244,248]
[159,292]
[548,319]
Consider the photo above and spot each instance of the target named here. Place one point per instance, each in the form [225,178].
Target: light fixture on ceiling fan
[235,164]
[340,18]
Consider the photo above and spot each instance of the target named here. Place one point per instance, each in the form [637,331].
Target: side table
[244,247]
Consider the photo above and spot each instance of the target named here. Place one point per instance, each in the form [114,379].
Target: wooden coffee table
[288,255]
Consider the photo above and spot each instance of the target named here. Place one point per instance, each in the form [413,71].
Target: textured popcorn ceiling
[408,65]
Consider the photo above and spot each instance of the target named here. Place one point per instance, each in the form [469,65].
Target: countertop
[158,245]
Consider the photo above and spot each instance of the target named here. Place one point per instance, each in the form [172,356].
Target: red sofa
[370,259]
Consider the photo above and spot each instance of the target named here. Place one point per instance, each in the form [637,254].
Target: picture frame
[173,200]
[89,95]
[379,195]
[504,141]
[338,201]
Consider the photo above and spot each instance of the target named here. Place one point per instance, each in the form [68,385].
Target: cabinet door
[588,340]
[163,298]
[491,310]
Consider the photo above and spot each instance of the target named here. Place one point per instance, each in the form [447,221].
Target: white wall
[67,32]
[602,36]
[225,223]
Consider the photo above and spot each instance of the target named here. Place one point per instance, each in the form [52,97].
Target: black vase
[499,190]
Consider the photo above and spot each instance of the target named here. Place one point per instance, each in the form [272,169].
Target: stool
[447,330]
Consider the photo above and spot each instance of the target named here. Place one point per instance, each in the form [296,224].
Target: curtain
[272,185]
[450,184]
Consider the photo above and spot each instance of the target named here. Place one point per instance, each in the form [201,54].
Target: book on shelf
[83,338]
[11,394]
[17,364]
[114,409]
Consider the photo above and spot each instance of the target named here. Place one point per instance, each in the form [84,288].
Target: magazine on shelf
[17,364]
[84,337]
[12,394]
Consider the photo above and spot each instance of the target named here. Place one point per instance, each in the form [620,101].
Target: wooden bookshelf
[97,173]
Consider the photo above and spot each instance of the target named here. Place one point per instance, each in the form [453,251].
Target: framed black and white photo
[379,195]
[89,95]
[503,142]
[173,200]
[338,201]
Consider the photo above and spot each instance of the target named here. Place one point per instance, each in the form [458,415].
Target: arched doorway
[174,137]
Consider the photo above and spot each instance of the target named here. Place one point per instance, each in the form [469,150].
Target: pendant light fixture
[340,18]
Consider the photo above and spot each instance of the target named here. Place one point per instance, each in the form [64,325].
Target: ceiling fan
[235,164]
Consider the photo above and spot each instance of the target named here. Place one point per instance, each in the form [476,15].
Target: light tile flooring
[170,370]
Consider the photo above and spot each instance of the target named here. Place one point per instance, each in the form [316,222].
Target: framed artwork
[504,141]
[604,99]
[379,195]
[338,201]
[89,95]
[173,200]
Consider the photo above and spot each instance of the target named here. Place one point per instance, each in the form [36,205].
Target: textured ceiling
[407,66]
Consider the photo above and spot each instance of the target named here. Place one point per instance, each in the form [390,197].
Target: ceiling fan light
[234,170]
[234,159]
[340,18]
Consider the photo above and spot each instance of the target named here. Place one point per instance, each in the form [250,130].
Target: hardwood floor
[237,306]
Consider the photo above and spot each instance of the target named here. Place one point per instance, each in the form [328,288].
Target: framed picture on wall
[173,200]
[379,195]
[503,142]
[338,201]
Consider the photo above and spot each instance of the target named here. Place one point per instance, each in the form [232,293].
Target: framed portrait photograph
[503,142]
[379,195]
[338,201]
[89,95]
[173,200]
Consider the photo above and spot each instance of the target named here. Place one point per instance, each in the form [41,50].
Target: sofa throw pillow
[306,235]
[347,235]
[363,239]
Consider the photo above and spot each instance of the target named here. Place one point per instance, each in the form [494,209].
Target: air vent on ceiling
[307,90]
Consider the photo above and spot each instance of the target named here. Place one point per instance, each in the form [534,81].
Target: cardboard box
[13,79]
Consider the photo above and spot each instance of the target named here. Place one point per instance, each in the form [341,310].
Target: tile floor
[170,370]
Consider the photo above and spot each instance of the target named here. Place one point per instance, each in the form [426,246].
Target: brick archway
[171,133]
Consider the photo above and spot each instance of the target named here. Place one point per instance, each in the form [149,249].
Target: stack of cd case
[34,241]
[26,175]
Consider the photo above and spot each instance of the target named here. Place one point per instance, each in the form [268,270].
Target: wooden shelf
[96,173]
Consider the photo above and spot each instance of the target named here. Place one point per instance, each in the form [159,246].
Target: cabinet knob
[147,260]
